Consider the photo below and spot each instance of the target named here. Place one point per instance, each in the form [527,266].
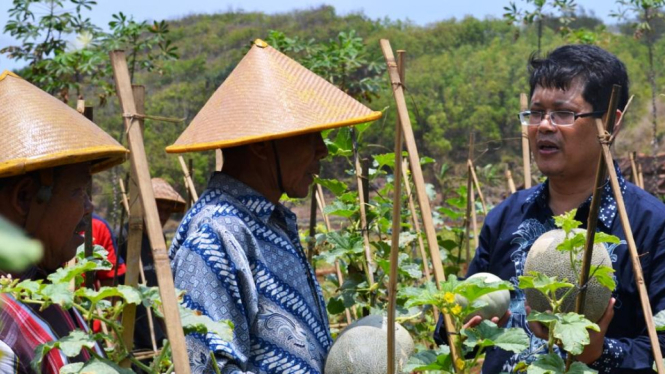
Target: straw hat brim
[40,131]
[255,139]
[267,96]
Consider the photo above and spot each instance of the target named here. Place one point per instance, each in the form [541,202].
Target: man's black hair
[596,68]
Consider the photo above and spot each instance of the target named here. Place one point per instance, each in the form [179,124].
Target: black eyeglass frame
[596,113]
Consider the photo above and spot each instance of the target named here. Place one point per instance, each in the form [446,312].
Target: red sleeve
[102,236]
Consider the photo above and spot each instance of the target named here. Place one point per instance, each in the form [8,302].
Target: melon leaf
[547,364]
[571,329]
[546,318]
[488,334]
[604,276]
[567,221]
[427,295]
[572,244]
[474,288]
[542,282]
[438,360]
[601,237]
[580,368]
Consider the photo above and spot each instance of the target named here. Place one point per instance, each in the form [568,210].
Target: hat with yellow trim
[39,131]
[164,191]
[269,96]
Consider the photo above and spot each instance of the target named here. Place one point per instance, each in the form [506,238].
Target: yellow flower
[449,297]
[457,309]
[459,363]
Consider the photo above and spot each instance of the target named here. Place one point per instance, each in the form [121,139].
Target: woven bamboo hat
[39,131]
[269,96]
[164,191]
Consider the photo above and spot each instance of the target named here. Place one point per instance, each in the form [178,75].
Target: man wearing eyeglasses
[569,89]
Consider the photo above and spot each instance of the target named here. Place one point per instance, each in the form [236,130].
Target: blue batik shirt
[511,228]
[238,257]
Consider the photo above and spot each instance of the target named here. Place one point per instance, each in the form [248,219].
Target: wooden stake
[414,219]
[423,200]
[369,268]
[155,235]
[311,241]
[511,182]
[188,179]
[322,205]
[219,160]
[151,323]
[472,171]
[640,175]
[633,169]
[87,238]
[123,193]
[134,235]
[396,228]
[526,153]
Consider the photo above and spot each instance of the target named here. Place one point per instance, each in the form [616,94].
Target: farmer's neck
[567,193]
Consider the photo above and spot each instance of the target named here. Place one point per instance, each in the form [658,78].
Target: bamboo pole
[640,175]
[423,200]
[369,268]
[188,179]
[526,153]
[470,200]
[87,235]
[311,240]
[123,193]
[151,323]
[155,235]
[633,169]
[472,171]
[396,228]
[134,235]
[338,270]
[414,219]
[511,182]
[219,160]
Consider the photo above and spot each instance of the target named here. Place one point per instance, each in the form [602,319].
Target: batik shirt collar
[256,203]
[608,204]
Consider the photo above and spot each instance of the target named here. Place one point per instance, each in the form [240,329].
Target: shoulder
[512,206]
[643,205]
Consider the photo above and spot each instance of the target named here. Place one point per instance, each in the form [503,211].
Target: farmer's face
[63,215]
[300,158]
[567,153]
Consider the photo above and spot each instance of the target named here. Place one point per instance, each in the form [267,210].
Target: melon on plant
[363,346]
[544,258]
[497,301]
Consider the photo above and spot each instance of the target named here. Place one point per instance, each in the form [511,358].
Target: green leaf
[659,320]
[335,186]
[438,360]
[69,345]
[59,294]
[571,244]
[474,288]
[604,276]
[427,294]
[542,282]
[338,208]
[571,329]
[195,321]
[580,368]
[17,251]
[567,221]
[335,306]
[550,363]
[601,237]
[488,334]
[95,365]
[543,317]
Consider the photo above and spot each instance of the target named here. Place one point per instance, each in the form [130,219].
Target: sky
[421,12]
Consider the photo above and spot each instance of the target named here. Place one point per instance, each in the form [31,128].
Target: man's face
[300,158]
[569,152]
[63,215]
[164,208]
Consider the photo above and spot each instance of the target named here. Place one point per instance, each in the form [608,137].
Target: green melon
[363,346]
[497,301]
[543,257]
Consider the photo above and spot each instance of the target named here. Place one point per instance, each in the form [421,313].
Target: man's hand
[594,349]
[476,320]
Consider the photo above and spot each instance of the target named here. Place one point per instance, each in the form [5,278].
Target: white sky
[421,12]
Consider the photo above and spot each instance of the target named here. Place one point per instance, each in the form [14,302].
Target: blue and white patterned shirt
[238,257]
[511,228]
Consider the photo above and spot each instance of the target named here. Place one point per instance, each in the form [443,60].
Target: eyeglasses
[557,117]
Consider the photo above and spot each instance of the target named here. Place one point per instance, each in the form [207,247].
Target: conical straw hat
[164,191]
[269,96]
[39,131]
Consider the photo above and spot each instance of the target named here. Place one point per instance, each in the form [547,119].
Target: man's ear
[261,150]
[20,195]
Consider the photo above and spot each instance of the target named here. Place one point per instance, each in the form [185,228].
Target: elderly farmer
[570,88]
[237,252]
[168,202]
[49,152]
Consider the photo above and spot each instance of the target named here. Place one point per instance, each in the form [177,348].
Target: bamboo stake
[219,160]
[640,175]
[123,193]
[633,169]
[134,235]
[396,228]
[338,270]
[526,153]
[414,219]
[311,240]
[423,200]
[369,268]
[87,236]
[188,179]
[511,182]
[151,323]
[155,235]
[470,200]
[472,171]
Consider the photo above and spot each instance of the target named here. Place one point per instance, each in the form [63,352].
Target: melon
[497,301]
[543,257]
[363,346]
